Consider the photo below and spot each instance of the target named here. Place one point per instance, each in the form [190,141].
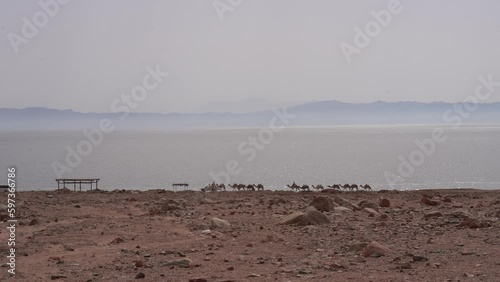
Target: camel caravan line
[338,187]
[214,187]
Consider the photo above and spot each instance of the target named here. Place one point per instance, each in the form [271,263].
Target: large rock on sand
[311,217]
[323,203]
[345,203]
[376,249]
[216,223]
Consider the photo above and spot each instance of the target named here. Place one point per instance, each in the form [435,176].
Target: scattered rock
[311,217]
[406,265]
[461,214]
[198,280]
[433,214]
[383,217]
[371,211]
[117,240]
[253,275]
[343,209]
[323,203]
[140,275]
[357,247]
[57,276]
[207,201]
[184,262]
[171,205]
[217,223]
[277,201]
[427,201]
[419,258]
[376,249]
[345,203]
[365,204]
[475,223]
[384,202]
[34,221]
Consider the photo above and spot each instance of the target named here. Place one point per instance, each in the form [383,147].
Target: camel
[335,187]
[346,187]
[259,187]
[354,186]
[318,187]
[234,186]
[210,187]
[366,187]
[293,186]
[305,187]
[222,187]
[250,187]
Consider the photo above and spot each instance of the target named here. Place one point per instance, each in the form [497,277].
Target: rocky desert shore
[158,235]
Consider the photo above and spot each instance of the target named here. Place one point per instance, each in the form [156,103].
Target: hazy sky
[263,53]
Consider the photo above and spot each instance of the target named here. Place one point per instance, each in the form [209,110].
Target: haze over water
[469,158]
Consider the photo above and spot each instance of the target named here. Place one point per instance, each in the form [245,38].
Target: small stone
[34,221]
[342,209]
[77,206]
[469,275]
[360,259]
[371,211]
[139,263]
[253,275]
[230,268]
[184,262]
[117,240]
[219,223]
[376,249]
[419,258]
[206,232]
[427,201]
[406,265]
[433,214]
[384,202]
[57,276]
[140,275]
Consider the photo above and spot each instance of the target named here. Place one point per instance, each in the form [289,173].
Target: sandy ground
[454,235]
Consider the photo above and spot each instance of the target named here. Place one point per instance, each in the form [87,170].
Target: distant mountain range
[310,114]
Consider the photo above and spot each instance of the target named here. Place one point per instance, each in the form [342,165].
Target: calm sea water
[470,157]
